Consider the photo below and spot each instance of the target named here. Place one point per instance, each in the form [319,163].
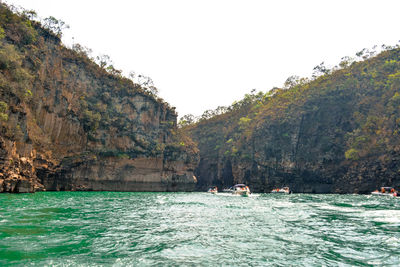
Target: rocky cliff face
[67,124]
[295,153]
[336,134]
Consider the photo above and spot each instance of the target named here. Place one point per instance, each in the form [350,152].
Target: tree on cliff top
[55,25]
[103,60]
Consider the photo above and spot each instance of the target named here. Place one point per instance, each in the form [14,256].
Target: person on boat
[392,190]
[382,190]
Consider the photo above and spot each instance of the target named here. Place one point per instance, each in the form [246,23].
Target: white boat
[283,190]
[241,189]
[385,191]
[213,190]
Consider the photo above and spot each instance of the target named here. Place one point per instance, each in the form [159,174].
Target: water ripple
[198,229]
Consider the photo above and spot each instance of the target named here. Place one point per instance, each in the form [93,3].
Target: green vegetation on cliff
[60,109]
[336,132]
[73,122]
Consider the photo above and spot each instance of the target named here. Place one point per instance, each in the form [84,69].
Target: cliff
[336,133]
[69,124]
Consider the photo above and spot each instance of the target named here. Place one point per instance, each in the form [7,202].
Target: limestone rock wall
[68,124]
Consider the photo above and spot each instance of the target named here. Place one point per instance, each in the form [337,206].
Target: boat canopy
[387,188]
[239,185]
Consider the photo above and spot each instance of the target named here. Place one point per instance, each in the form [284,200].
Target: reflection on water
[169,229]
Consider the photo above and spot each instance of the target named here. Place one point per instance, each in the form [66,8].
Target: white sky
[206,53]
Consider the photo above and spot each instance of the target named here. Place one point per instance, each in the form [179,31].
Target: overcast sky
[206,53]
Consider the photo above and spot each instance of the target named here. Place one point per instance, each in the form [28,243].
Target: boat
[241,189]
[213,190]
[385,191]
[283,190]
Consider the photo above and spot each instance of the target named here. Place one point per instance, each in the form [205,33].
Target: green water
[198,229]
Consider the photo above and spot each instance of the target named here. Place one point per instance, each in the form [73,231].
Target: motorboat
[385,191]
[241,189]
[213,190]
[283,190]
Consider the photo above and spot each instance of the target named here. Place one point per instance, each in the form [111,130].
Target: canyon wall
[336,133]
[69,124]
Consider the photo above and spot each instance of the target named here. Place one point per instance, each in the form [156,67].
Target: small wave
[198,229]
[385,216]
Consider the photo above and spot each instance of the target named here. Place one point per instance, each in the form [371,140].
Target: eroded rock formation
[68,124]
[338,133]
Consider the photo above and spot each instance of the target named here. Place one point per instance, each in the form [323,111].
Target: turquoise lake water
[198,229]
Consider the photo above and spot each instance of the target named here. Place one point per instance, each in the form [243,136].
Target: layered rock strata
[69,124]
